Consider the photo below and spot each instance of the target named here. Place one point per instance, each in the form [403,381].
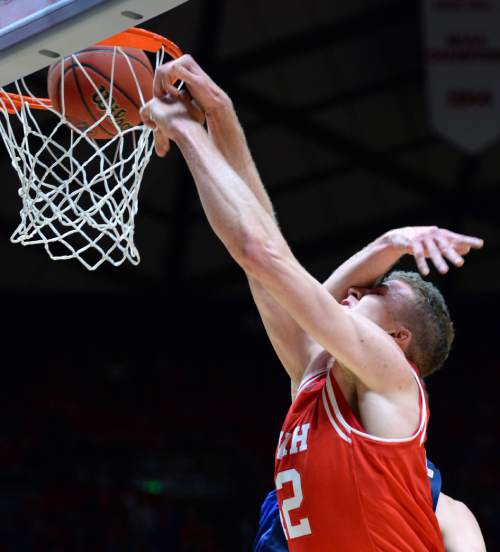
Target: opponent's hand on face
[166,115]
[438,244]
[202,88]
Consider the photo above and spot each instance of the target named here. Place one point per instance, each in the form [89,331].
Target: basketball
[85,96]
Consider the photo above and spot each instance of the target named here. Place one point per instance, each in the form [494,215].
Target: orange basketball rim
[131,38]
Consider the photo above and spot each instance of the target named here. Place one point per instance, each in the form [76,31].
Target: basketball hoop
[79,195]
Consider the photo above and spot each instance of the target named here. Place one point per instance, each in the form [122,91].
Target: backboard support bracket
[57,38]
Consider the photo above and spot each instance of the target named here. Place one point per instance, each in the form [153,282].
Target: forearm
[229,144]
[364,268]
[255,242]
[229,138]
[293,347]
[231,207]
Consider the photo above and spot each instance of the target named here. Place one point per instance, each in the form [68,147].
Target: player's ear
[402,336]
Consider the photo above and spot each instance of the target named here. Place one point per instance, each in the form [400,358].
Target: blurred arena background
[140,407]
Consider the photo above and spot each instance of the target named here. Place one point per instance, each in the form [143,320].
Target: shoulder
[317,367]
[399,413]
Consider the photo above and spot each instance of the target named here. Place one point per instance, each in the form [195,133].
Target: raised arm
[255,242]
[223,125]
[293,346]
[253,239]
[368,265]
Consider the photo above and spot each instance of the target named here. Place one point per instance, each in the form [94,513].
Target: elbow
[258,257]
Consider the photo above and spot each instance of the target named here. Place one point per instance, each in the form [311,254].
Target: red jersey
[342,490]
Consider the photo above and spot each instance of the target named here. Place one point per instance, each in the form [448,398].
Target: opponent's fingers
[419,254]
[475,243]
[449,252]
[435,255]
[471,241]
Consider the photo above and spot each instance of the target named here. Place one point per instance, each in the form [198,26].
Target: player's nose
[357,292]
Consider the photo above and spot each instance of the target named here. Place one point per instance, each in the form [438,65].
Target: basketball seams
[131,75]
[89,111]
[107,79]
[131,56]
[146,66]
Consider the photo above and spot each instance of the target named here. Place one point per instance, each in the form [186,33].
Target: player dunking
[350,464]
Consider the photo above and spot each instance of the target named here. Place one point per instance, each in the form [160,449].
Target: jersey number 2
[303,527]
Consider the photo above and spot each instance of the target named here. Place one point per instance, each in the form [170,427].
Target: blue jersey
[435,479]
[270,535]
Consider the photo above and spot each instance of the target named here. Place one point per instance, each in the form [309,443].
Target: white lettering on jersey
[293,503]
[299,441]
[299,436]
[283,442]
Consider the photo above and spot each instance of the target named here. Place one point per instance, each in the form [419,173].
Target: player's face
[381,303]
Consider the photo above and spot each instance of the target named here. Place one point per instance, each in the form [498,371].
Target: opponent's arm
[255,242]
[367,266]
[459,527]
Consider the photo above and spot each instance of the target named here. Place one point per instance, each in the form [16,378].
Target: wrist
[220,108]
[182,130]
[392,240]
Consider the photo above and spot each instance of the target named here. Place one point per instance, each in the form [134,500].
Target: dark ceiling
[332,97]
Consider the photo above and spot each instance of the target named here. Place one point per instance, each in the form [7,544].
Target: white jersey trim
[309,379]
[332,419]
[349,429]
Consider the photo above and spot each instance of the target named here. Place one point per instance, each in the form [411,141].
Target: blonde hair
[428,318]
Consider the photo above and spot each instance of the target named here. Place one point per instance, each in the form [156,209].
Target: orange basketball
[83,98]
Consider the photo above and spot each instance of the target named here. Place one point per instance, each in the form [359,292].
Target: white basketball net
[79,196]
